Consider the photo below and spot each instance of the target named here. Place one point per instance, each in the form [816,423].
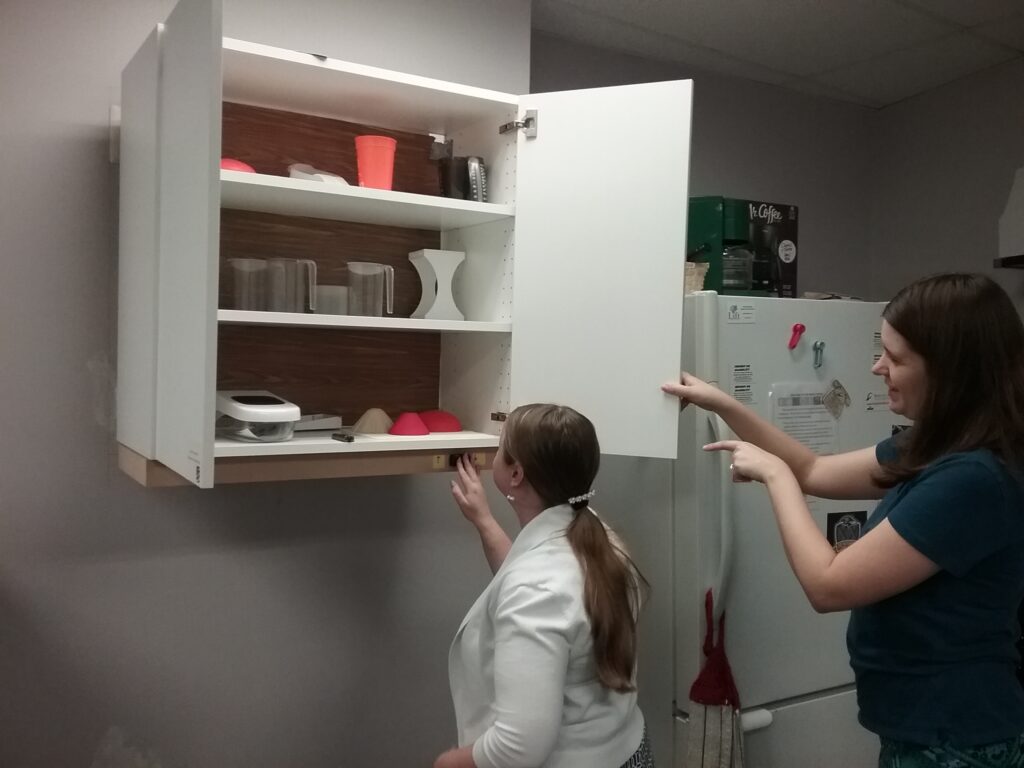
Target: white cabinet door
[190,114]
[601,204]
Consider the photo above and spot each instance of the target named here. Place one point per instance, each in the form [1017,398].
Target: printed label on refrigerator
[876,347]
[876,401]
[742,377]
[742,314]
[799,409]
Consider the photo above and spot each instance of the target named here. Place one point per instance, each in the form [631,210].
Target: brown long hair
[558,450]
[972,341]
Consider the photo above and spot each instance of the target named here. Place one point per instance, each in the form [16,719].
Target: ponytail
[558,450]
[612,593]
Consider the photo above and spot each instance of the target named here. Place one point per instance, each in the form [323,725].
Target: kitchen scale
[255,415]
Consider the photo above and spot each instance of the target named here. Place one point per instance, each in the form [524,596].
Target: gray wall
[296,624]
[944,163]
[759,142]
[308,624]
[885,196]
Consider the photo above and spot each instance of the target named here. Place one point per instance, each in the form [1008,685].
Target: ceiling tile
[576,23]
[1008,31]
[895,76]
[969,13]
[800,37]
[814,88]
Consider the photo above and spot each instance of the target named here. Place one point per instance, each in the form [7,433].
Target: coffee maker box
[761,232]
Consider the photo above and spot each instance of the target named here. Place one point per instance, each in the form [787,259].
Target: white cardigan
[522,669]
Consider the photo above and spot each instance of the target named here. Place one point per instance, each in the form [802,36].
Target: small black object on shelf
[1009,262]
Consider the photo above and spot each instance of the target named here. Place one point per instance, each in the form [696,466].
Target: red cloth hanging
[714,685]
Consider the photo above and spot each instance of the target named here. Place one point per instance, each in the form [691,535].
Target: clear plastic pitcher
[291,285]
[248,284]
[368,284]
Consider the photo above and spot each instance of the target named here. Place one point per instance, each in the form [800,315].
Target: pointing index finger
[722,445]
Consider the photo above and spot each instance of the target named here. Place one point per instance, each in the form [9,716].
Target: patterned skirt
[1001,754]
[643,757]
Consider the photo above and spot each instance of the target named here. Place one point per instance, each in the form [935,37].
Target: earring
[510,497]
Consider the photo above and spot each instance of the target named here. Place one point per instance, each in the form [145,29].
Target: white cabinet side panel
[137,251]
[498,152]
[483,281]
[475,378]
[189,230]
[600,244]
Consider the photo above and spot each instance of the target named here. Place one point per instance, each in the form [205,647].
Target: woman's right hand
[468,492]
[690,389]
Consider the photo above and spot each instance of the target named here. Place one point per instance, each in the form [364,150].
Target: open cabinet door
[190,110]
[601,205]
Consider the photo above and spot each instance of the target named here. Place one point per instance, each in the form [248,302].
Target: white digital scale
[256,415]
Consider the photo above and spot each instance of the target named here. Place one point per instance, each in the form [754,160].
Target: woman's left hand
[748,461]
[468,492]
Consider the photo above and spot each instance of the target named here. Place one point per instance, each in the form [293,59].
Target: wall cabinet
[571,286]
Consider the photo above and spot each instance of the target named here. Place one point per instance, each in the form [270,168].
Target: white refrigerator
[805,366]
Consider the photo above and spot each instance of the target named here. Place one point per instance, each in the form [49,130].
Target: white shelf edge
[281,194]
[324,443]
[373,73]
[355,322]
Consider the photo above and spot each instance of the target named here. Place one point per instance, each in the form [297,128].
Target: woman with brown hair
[542,669]
[936,579]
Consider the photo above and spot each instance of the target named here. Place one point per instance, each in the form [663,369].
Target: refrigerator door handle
[755,719]
[720,431]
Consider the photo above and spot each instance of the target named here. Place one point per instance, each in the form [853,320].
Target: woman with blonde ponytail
[543,667]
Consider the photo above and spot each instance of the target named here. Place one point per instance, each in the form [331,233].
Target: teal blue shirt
[935,664]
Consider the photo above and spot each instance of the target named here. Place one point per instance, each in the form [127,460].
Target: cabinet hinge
[527,124]
[499,416]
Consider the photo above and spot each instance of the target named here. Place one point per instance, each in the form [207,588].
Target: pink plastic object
[230,164]
[798,331]
[375,161]
[441,421]
[409,423]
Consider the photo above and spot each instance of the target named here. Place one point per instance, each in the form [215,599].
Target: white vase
[437,271]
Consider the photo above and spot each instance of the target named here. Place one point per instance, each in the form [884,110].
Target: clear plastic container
[737,268]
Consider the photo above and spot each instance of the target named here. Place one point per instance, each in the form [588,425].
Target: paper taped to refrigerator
[743,384]
[799,410]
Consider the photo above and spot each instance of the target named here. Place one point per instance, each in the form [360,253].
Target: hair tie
[582,497]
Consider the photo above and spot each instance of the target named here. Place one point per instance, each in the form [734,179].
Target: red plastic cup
[375,161]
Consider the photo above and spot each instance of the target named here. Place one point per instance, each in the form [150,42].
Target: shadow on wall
[261,625]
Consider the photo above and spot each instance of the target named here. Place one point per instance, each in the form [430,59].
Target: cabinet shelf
[319,200]
[324,443]
[266,76]
[354,322]
[317,466]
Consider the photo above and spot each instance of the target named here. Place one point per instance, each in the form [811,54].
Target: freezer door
[822,731]
[777,645]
